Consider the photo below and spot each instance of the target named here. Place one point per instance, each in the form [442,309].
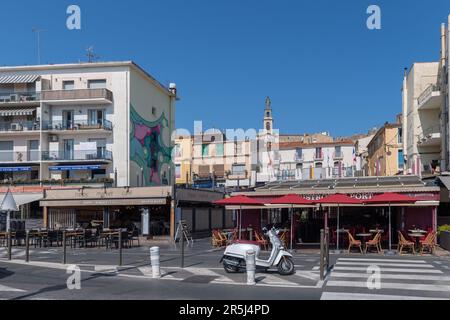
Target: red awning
[292,199]
[391,198]
[339,199]
[238,201]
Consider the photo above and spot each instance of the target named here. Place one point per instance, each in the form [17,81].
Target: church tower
[268,119]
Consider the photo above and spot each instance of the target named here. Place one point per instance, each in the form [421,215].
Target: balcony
[77,125]
[19,126]
[64,182]
[19,98]
[88,155]
[19,157]
[430,137]
[430,98]
[87,96]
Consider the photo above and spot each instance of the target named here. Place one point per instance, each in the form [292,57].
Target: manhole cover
[199,279]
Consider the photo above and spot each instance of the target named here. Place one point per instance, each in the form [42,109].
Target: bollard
[27,246]
[322,254]
[64,247]
[327,245]
[182,250]
[9,246]
[154,258]
[120,248]
[250,263]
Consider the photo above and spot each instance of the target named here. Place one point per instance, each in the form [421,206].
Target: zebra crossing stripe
[391,285]
[274,280]
[390,276]
[387,264]
[382,260]
[362,296]
[384,269]
[9,289]
[208,272]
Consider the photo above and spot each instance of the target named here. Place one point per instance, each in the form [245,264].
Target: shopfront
[308,222]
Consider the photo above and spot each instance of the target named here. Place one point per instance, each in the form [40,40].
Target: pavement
[203,278]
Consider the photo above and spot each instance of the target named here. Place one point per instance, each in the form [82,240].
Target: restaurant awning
[15,169]
[341,200]
[25,198]
[75,168]
[390,198]
[17,112]
[291,200]
[27,78]
[239,201]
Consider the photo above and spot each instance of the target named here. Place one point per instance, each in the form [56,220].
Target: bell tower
[268,119]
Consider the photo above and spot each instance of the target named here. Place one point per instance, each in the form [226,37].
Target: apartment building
[84,124]
[362,154]
[385,150]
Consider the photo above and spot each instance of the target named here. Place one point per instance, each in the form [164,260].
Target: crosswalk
[398,279]
[205,275]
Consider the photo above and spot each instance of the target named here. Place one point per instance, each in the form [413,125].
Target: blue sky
[323,69]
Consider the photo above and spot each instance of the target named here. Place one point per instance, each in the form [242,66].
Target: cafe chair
[263,243]
[428,244]
[404,244]
[353,243]
[374,243]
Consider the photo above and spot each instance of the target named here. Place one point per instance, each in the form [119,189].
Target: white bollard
[154,258]
[250,262]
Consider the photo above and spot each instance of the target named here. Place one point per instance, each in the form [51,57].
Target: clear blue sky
[323,69]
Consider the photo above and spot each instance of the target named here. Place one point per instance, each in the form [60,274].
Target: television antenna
[38,34]
[91,55]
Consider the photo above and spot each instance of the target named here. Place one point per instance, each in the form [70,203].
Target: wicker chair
[374,243]
[354,243]
[429,243]
[403,243]
[263,243]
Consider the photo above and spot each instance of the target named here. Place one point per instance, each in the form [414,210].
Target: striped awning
[30,78]
[17,112]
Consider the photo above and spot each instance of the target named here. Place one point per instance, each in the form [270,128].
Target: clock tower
[268,119]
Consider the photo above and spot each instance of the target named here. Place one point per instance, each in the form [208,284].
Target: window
[219,149]
[319,154]
[299,154]
[239,150]
[96,117]
[205,150]
[401,160]
[400,135]
[268,114]
[177,151]
[177,171]
[69,85]
[97,84]
[338,152]
[100,145]
[268,127]
[6,150]
[238,169]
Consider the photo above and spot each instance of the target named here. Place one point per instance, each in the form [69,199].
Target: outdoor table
[418,231]
[376,231]
[363,236]
[416,237]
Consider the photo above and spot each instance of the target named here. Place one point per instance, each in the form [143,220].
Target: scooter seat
[245,242]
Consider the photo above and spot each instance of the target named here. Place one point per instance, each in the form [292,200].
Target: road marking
[208,272]
[389,276]
[271,279]
[105,268]
[382,260]
[390,285]
[387,264]
[405,270]
[361,296]
[308,275]
[9,289]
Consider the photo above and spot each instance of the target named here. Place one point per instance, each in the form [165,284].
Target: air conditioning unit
[53,138]
[16,127]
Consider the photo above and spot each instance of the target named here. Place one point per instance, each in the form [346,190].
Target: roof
[400,184]
[293,145]
[90,65]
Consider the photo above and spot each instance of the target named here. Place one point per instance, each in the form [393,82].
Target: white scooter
[234,256]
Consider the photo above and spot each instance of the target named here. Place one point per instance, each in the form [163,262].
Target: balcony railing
[19,157]
[428,133]
[19,97]
[77,125]
[64,182]
[18,126]
[88,155]
[318,156]
[427,93]
[81,94]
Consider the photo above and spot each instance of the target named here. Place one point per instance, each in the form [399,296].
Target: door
[6,151]
[68,122]
[96,117]
[101,147]
[68,149]
[33,150]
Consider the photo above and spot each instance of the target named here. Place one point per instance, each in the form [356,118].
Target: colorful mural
[148,150]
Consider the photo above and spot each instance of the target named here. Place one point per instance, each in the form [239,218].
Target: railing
[19,157]
[77,155]
[81,94]
[17,126]
[77,125]
[427,93]
[64,182]
[19,97]
[427,133]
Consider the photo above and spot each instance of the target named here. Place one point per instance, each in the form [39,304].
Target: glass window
[238,169]
[319,154]
[338,152]
[69,85]
[400,135]
[97,84]
[96,117]
[178,171]
[205,150]
[219,149]
[299,154]
[401,159]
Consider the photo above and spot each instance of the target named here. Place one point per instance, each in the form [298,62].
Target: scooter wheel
[286,267]
[229,269]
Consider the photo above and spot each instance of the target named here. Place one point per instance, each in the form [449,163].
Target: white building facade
[85,123]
